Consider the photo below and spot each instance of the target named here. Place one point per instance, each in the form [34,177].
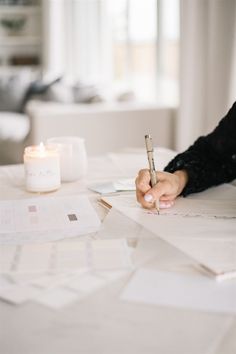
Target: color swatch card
[47,214]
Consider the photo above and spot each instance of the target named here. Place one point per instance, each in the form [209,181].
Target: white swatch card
[181,290]
[121,185]
[18,294]
[57,298]
[65,256]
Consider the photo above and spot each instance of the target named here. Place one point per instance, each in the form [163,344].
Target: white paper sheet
[93,281]
[181,290]
[49,281]
[117,225]
[57,274]
[76,288]
[225,209]
[56,291]
[19,294]
[51,218]
[225,191]
[86,283]
[65,256]
[103,188]
[186,207]
[57,298]
[179,230]
[5,282]
[120,185]
[216,254]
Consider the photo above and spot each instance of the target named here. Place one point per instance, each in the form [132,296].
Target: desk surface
[102,323]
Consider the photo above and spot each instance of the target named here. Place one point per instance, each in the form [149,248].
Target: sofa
[14,131]
[31,111]
[14,123]
[17,88]
[105,127]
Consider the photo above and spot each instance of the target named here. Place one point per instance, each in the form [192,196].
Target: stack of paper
[55,274]
[169,277]
[204,229]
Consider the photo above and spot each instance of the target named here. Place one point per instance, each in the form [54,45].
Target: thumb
[155,192]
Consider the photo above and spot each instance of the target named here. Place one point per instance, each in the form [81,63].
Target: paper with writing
[183,223]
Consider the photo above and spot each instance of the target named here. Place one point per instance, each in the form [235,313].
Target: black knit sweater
[211,160]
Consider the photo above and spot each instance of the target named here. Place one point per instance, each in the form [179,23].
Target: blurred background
[112,71]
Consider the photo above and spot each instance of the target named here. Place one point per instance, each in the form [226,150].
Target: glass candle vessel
[42,168]
[73,157]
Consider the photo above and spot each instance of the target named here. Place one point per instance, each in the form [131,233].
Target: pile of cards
[56,274]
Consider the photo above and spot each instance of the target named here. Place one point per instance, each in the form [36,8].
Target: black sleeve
[211,160]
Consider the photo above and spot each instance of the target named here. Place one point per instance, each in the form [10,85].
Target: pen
[153,176]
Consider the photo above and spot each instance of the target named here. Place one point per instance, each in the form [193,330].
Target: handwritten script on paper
[225,209]
[205,223]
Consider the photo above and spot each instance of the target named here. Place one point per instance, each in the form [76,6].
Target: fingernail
[148,198]
[164,205]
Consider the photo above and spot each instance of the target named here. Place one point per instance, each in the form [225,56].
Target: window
[130,44]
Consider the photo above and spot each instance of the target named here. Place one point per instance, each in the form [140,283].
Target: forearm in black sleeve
[211,160]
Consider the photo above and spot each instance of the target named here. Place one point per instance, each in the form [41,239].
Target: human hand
[169,186]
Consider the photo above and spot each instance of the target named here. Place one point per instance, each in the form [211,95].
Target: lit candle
[42,168]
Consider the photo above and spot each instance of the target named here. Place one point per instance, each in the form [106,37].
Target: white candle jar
[73,157]
[42,168]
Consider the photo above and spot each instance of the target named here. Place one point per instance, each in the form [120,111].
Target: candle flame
[42,149]
[41,146]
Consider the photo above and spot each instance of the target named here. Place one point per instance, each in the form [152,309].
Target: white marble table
[102,323]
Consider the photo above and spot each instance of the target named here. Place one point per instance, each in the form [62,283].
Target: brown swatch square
[72,217]
[32,208]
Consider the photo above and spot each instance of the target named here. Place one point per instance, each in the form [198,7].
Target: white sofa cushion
[13,88]
[14,126]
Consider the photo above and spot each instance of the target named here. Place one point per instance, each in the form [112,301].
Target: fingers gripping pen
[153,175]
